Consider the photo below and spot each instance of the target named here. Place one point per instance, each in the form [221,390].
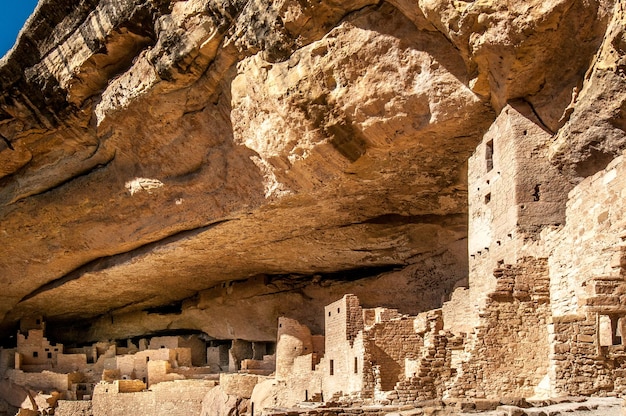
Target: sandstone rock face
[211,165]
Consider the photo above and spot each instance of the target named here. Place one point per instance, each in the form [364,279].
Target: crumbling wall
[197,347]
[45,380]
[217,357]
[294,340]
[388,344]
[37,353]
[509,350]
[427,377]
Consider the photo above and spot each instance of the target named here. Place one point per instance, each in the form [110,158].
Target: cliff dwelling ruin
[284,208]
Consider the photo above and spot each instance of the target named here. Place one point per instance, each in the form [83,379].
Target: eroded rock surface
[211,165]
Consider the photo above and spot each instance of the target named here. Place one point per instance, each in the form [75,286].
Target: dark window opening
[332,367]
[328,313]
[489,155]
[49,355]
[35,354]
[356,365]
[147,359]
[38,321]
[487,198]
[537,192]
[338,310]
[306,395]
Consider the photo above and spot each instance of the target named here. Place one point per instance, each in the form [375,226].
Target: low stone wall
[176,398]
[73,408]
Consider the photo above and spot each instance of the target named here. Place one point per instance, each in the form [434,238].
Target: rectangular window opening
[489,155]
[356,365]
[488,198]
[332,367]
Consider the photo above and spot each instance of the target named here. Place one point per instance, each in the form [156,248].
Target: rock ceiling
[210,165]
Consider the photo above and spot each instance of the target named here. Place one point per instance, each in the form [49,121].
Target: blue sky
[13,14]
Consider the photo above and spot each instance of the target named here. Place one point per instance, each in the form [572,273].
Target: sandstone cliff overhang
[155,152]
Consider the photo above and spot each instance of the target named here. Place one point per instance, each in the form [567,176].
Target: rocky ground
[582,406]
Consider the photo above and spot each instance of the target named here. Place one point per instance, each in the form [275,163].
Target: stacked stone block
[508,351]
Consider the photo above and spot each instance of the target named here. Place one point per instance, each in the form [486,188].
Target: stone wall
[69,363]
[592,244]
[176,398]
[388,345]
[579,365]
[513,194]
[45,380]
[344,345]
[73,408]
[509,350]
[294,340]
[36,350]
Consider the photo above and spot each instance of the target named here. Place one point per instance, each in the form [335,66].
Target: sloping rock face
[212,165]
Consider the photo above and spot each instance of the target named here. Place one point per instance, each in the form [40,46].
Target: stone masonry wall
[580,367]
[512,194]
[509,349]
[389,344]
[431,372]
[175,398]
[344,343]
[591,245]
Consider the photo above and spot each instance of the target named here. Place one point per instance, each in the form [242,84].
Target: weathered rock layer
[211,165]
